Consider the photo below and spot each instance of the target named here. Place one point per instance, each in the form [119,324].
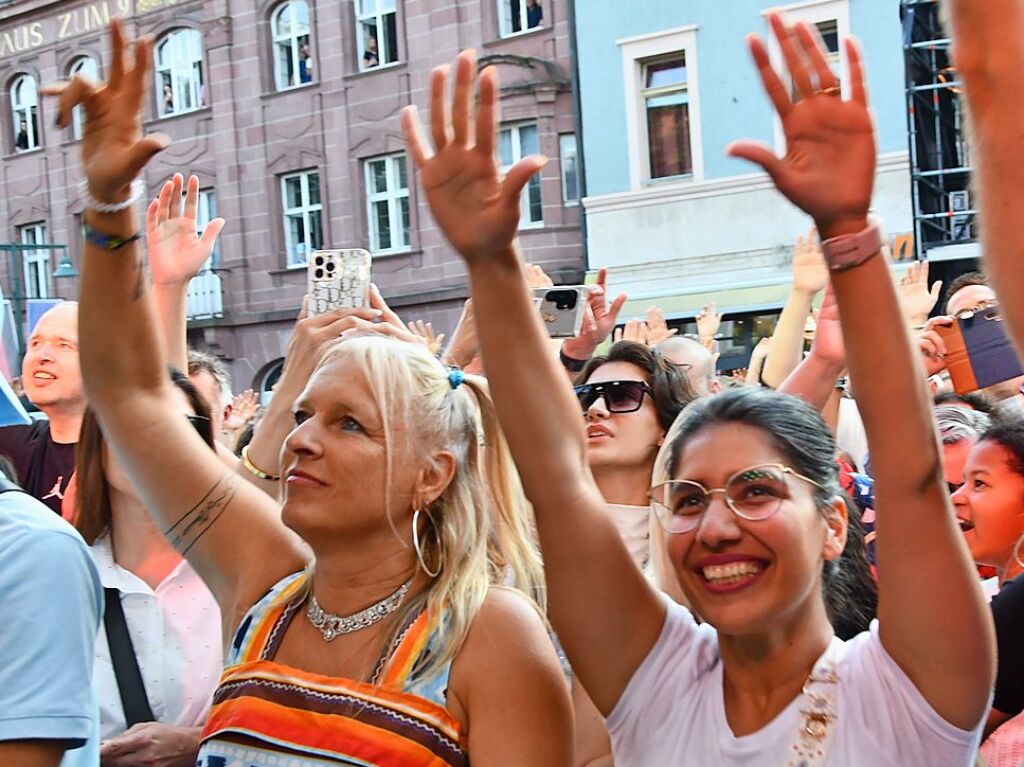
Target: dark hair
[1007,430]
[801,435]
[671,391]
[964,281]
[92,498]
[975,400]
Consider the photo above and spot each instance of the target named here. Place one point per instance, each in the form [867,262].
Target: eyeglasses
[201,424]
[753,494]
[966,314]
[619,396]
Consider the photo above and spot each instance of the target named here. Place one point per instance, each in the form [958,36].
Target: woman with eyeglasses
[365,618]
[169,614]
[751,507]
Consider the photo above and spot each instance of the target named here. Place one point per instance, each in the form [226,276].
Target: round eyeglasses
[753,494]
[619,396]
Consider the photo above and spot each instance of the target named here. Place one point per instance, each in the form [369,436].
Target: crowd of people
[507,550]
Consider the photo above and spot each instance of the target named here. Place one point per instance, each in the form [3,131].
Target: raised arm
[989,54]
[814,379]
[230,532]
[594,589]
[933,619]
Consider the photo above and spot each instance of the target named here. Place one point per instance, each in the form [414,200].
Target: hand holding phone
[979,352]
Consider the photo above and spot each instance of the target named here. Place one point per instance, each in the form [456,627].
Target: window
[87,68]
[36,262]
[514,143]
[25,110]
[387,203]
[663,136]
[516,16]
[303,232]
[293,60]
[570,168]
[206,211]
[376,33]
[179,73]
[667,110]
[829,32]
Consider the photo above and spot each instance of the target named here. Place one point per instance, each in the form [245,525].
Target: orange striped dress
[266,714]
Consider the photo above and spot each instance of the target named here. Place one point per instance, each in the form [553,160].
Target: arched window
[271,374]
[25,111]
[293,57]
[86,67]
[181,86]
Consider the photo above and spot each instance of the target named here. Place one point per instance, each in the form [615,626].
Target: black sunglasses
[201,424]
[619,396]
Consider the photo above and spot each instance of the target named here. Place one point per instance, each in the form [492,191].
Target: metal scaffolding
[940,162]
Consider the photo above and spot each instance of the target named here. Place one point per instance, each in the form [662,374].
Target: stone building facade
[288,111]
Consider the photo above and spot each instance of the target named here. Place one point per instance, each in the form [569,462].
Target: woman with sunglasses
[752,511]
[365,618]
[170,615]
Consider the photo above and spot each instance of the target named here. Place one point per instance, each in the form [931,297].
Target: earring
[416,544]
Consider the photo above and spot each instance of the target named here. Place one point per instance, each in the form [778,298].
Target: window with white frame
[293,59]
[517,16]
[376,33]
[36,262]
[570,168]
[303,232]
[387,203]
[206,211]
[663,136]
[514,143]
[180,81]
[828,30]
[25,113]
[667,114]
[86,67]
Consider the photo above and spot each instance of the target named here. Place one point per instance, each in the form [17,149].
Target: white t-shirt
[673,713]
[177,637]
[633,524]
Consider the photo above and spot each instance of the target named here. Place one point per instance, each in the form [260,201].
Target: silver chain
[332,626]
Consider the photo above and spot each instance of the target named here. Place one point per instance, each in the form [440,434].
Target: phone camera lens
[330,266]
[319,274]
[319,261]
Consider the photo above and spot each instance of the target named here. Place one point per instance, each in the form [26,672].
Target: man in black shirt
[43,453]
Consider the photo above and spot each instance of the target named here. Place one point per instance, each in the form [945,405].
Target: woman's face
[621,440]
[744,576]
[990,505]
[334,462]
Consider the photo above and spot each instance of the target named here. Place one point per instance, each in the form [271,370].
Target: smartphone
[979,352]
[338,279]
[562,309]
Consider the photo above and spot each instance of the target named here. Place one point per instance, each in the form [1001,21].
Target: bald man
[693,360]
[43,452]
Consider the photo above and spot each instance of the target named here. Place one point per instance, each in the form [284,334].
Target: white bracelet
[138,190]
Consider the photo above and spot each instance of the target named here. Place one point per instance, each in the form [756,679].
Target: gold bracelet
[255,470]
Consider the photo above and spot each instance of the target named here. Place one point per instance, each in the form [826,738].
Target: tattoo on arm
[140,275]
[186,532]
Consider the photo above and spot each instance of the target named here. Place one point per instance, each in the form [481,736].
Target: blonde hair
[478,533]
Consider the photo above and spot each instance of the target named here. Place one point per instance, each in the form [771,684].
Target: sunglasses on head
[618,396]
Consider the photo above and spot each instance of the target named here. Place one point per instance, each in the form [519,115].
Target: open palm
[476,208]
[176,252]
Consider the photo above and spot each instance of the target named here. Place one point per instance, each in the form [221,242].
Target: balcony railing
[205,297]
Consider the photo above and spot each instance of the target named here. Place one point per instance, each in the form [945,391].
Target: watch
[849,250]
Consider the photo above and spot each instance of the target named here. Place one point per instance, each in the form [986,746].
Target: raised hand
[810,272]
[425,330]
[176,253]
[241,410]
[536,277]
[828,334]
[916,298]
[476,208]
[657,329]
[600,321]
[931,344]
[709,320]
[829,167]
[114,151]
[633,330]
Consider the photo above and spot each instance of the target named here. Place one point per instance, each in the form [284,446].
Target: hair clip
[455,378]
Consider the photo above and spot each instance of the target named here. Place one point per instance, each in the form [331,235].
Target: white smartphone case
[561,308]
[338,279]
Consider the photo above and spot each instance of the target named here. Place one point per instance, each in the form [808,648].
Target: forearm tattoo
[186,532]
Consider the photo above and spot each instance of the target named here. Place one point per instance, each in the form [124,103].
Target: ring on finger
[832,90]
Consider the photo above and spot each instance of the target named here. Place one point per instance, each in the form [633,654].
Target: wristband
[109,242]
[849,250]
[254,469]
[138,189]
[571,364]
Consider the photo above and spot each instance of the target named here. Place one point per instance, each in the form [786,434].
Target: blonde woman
[394,648]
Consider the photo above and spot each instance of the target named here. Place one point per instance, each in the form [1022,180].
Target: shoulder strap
[7,486]
[126,665]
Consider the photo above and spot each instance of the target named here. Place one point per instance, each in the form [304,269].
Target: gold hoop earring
[416,544]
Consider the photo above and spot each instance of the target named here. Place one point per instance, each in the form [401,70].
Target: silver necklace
[332,626]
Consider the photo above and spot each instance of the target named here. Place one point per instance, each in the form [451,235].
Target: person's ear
[434,478]
[837,522]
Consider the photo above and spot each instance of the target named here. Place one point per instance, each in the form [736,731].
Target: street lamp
[65,269]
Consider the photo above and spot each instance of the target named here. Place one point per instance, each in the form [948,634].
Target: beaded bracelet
[138,190]
[254,469]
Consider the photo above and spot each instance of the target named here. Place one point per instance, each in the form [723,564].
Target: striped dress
[266,714]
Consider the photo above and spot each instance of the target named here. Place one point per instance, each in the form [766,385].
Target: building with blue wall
[665,87]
